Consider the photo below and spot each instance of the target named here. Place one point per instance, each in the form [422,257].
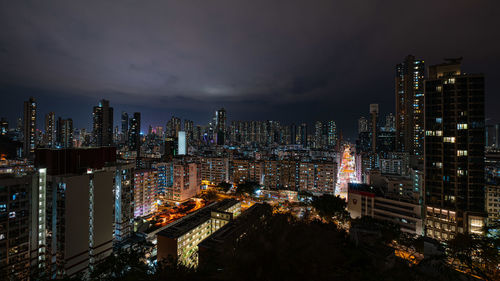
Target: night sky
[284,60]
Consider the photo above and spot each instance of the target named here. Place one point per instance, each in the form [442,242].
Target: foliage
[477,254]
[224,186]
[281,247]
[388,232]
[247,188]
[124,264]
[331,208]
[210,195]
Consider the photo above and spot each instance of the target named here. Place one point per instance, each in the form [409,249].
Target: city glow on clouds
[309,58]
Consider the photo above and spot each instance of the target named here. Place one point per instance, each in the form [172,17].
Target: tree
[124,264]
[387,231]
[477,254]
[331,208]
[247,187]
[224,186]
[210,195]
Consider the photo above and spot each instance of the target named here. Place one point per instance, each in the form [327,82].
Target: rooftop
[188,223]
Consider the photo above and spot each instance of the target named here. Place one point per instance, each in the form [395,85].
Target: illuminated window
[461,152]
[462,126]
[449,139]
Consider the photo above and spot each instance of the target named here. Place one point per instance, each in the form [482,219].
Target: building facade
[454,151]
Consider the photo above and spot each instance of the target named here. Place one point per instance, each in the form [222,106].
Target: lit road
[347,172]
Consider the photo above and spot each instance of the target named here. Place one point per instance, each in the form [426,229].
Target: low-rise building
[366,200]
[225,238]
[179,241]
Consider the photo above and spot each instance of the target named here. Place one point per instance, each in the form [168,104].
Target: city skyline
[273,140]
[332,58]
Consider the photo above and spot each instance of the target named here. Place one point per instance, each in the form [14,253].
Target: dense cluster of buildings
[69,197]
[431,154]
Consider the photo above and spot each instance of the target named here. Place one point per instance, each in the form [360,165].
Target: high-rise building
[4,126]
[293,134]
[186,181]
[189,129]
[220,126]
[374,126]
[50,129]
[331,134]
[64,137]
[134,133]
[303,134]
[29,127]
[409,106]
[103,124]
[124,194]
[145,192]
[214,169]
[318,134]
[15,227]
[173,127]
[363,125]
[390,123]
[72,209]
[454,151]
[125,123]
[181,143]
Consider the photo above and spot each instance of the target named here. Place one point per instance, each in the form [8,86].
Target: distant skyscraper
[303,134]
[332,133]
[293,134]
[390,123]
[363,125]
[173,127]
[134,134]
[4,127]
[125,122]
[409,106]
[50,129]
[181,143]
[29,127]
[188,128]
[318,134]
[374,125]
[65,132]
[220,126]
[454,151]
[103,124]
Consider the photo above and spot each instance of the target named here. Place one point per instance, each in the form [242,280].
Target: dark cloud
[285,60]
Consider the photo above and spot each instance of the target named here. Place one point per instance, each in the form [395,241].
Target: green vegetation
[331,208]
[247,188]
[224,186]
[210,195]
[477,254]
[285,248]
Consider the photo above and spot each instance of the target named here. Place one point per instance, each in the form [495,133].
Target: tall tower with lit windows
[454,151]
[409,106]
[29,127]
